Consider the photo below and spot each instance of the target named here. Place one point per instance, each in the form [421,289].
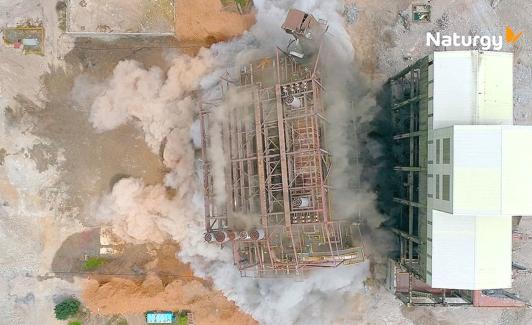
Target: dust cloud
[164,107]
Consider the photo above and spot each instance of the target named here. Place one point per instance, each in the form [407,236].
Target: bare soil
[205,20]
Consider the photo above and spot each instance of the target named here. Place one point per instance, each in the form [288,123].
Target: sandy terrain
[170,285]
[127,297]
[206,20]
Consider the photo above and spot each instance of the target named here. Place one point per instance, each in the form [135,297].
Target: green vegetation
[92,263]
[243,3]
[182,319]
[75,322]
[67,308]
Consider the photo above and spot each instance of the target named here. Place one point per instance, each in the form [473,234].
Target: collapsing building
[276,210]
[464,172]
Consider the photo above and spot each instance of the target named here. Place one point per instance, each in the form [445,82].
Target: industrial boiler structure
[269,197]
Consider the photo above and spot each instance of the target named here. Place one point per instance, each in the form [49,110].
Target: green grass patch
[182,320]
[75,322]
[243,3]
[92,263]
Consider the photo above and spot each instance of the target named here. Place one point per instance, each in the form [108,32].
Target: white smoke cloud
[159,102]
[165,108]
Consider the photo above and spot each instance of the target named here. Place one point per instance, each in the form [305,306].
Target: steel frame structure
[276,173]
[409,105]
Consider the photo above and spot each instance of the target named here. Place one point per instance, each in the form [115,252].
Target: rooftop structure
[274,205]
[461,164]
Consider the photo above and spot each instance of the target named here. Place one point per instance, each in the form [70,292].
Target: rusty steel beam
[282,149]
[260,158]
[289,155]
[240,150]
[323,190]
[206,172]
[226,138]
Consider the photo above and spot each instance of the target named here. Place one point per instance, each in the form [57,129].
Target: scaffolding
[276,173]
[409,107]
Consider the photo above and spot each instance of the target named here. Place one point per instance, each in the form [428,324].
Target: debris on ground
[350,13]
[420,13]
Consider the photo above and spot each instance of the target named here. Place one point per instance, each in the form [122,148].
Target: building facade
[463,167]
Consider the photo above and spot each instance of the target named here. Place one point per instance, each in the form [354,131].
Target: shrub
[182,319]
[66,308]
[75,322]
[93,263]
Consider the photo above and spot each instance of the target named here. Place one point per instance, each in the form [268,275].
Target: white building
[479,171]
[470,172]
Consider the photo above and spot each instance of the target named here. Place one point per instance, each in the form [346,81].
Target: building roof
[472,87]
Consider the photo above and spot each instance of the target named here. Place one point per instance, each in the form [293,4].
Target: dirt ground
[169,285]
[120,16]
[73,165]
[206,20]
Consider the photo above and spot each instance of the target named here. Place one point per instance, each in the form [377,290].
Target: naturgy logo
[485,42]
[511,37]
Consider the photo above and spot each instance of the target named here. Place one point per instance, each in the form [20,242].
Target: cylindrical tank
[257,234]
[293,102]
[243,235]
[220,236]
[224,236]
[301,202]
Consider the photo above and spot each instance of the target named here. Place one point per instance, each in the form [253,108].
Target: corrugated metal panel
[454,88]
[477,170]
[493,252]
[492,172]
[453,251]
[471,252]
[472,87]
[495,88]
[517,170]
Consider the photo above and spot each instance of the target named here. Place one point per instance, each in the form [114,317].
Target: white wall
[517,170]
[472,87]
[477,170]
[471,252]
